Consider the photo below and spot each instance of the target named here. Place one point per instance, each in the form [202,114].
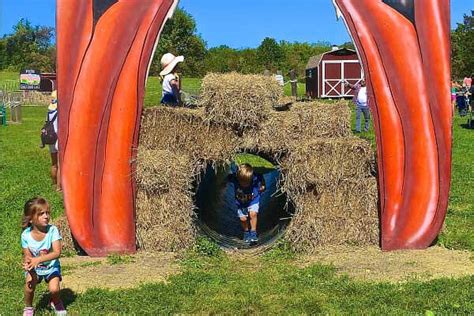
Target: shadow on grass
[67,296]
[467,126]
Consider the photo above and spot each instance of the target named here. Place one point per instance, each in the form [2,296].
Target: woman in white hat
[53,149]
[171,85]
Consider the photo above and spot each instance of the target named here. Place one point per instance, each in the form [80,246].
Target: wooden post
[294,83]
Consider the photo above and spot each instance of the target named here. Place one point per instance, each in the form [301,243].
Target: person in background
[53,149]
[171,84]
[362,105]
[462,98]
[467,82]
[248,186]
[454,89]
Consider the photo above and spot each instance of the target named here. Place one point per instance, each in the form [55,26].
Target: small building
[326,73]
[48,82]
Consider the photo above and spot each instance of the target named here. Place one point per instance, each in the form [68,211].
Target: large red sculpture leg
[404,46]
[104,51]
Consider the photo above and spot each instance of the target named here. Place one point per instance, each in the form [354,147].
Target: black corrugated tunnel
[217,210]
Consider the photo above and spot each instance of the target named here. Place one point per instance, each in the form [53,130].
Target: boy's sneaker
[59,308]
[28,311]
[253,236]
[247,237]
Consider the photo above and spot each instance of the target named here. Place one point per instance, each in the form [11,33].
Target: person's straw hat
[54,101]
[168,62]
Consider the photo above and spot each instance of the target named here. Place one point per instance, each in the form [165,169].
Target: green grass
[213,283]
[153,89]
[253,160]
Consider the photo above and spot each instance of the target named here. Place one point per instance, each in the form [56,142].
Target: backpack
[48,135]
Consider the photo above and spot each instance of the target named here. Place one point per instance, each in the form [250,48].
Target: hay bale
[184,131]
[304,121]
[165,222]
[67,241]
[323,163]
[159,171]
[346,215]
[240,101]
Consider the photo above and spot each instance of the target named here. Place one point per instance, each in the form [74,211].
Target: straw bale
[346,215]
[237,100]
[304,121]
[323,163]
[184,131]
[63,226]
[165,222]
[159,171]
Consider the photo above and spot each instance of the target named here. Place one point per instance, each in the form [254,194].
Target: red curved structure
[104,51]
[404,46]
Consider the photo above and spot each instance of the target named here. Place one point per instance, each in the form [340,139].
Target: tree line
[32,47]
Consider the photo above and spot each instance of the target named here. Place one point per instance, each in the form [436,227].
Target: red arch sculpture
[104,52]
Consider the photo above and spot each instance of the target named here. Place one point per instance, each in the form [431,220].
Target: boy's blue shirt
[245,197]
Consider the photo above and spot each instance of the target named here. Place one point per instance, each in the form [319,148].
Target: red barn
[326,73]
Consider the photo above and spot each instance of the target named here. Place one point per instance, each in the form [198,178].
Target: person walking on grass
[361,102]
[52,118]
[171,84]
[41,243]
[248,186]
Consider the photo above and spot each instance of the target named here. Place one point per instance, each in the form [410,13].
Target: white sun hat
[168,62]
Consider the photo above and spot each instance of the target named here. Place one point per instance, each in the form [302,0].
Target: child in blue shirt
[41,245]
[248,186]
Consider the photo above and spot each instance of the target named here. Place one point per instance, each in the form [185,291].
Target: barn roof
[314,61]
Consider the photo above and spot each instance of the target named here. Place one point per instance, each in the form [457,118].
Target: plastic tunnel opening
[217,209]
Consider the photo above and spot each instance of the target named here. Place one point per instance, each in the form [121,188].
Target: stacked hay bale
[239,101]
[325,171]
[165,214]
[65,232]
[334,192]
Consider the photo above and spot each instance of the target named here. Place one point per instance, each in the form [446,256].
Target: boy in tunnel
[248,186]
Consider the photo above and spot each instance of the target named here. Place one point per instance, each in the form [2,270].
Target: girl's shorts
[55,272]
[244,211]
[453,97]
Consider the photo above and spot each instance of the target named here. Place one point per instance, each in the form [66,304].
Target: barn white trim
[334,83]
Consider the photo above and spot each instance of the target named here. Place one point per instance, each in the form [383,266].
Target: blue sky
[236,23]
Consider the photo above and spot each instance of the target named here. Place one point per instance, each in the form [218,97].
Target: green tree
[297,55]
[28,47]
[270,54]
[179,37]
[222,59]
[462,45]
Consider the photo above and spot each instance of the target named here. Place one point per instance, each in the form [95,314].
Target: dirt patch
[82,273]
[371,264]
[361,263]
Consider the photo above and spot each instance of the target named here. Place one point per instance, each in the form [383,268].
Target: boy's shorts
[55,272]
[244,211]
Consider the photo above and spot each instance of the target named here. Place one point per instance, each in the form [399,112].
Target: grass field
[211,282]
